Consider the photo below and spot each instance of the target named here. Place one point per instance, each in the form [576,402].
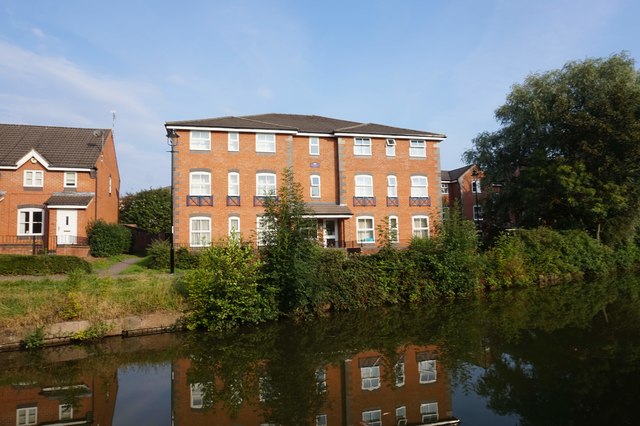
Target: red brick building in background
[354,176]
[53,182]
[462,187]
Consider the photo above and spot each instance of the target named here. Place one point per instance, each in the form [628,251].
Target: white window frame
[429,412]
[203,238]
[201,187]
[418,148]
[200,140]
[477,212]
[110,185]
[400,375]
[394,223]
[419,186]
[364,186]
[314,145]
[370,377]
[444,188]
[390,148]
[372,417]
[266,189]
[233,184]
[30,415]
[233,141]
[401,412]
[321,379]
[260,229]
[365,234]
[25,227]
[362,146]
[70,180]
[315,187]
[427,371]
[321,420]
[475,187]
[33,178]
[418,231]
[265,142]
[446,212]
[197,395]
[234,227]
[65,412]
[392,186]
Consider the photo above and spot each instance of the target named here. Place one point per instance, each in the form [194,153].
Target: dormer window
[34,178]
[70,180]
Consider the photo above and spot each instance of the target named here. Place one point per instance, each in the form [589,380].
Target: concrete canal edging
[76,331]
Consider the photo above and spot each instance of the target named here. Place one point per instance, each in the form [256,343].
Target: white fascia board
[230,129]
[320,135]
[327,216]
[381,136]
[65,207]
[33,154]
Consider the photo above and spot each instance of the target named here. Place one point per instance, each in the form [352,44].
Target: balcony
[199,200]
[392,202]
[364,201]
[260,200]
[419,201]
[233,200]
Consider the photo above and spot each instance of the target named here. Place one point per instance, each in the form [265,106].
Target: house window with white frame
[321,420]
[110,185]
[392,186]
[261,229]
[399,367]
[427,371]
[70,179]
[419,187]
[197,395]
[27,416]
[477,212]
[30,221]
[420,226]
[365,230]
[361,146]
[401,414]
[233,184]
[372,418]
[314,145]
[429,412]
[200,140]
[417,148]
[265,142]
[199,183]
[475,187]
[33,178]
[200,228]
[391,148]
[234,227]
[364,186]
[233,141]
[370,377]
[315,186]
[321,380]
[265,184]
[394,231]
[444,188]
[446,213]
[65,412]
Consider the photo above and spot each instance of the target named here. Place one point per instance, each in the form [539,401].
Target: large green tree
[568,150]
[149,209]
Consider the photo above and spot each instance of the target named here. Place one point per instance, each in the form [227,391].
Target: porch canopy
[66,200]
[328,211]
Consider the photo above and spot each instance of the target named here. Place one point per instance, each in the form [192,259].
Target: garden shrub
[186,259]
[159,252]
[108,239]
[16,264]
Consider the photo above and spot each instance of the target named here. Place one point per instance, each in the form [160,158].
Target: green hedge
[108,239]
[15,264]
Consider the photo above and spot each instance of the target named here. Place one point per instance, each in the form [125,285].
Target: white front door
[67,226]
[330,232]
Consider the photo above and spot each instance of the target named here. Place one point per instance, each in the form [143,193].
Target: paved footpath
[112,271]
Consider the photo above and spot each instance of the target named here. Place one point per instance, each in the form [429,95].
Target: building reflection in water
[409,387]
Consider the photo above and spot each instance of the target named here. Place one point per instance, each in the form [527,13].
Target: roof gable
[54,147]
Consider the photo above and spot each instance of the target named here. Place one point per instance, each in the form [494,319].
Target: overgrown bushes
[15,264]
[108,239]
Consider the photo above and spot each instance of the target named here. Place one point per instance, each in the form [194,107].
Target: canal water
[566,355]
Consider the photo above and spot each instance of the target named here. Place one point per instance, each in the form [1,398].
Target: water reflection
[565,355]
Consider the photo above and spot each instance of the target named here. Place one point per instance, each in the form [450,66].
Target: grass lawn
[87,297]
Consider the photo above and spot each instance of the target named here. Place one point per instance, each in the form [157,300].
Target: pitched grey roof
[60,146]
[70,199]
[451,175]
[301,123]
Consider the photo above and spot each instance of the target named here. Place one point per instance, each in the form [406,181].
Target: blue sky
[437,65]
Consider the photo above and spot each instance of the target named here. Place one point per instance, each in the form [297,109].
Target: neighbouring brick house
[462,186]
[354,176]
[53,182]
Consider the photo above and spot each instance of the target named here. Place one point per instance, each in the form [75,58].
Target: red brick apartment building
[354,176]
[53,182]
[365,389]
[462,186]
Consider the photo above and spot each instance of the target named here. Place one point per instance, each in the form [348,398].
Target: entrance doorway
[330,232]
[67,227]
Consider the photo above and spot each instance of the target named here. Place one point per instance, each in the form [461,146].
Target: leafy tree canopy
[568,150]
[149,209]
